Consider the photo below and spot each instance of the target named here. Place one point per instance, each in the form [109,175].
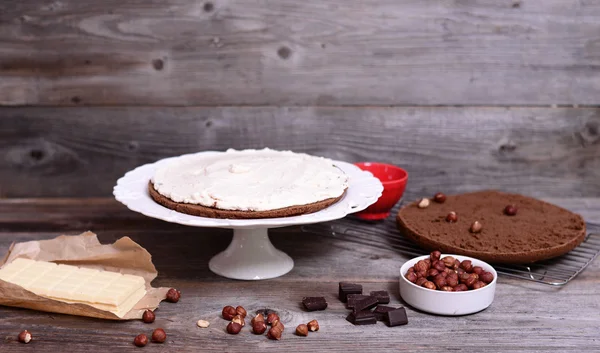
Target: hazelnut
[439,281]
[259,327]
[234,328]
[228,312]
[435,256]
[429,285]
[241,311]
[148,316]
[411,277]
[476,227]
[460,271]
[410,269]
[420,281]
[444,273]
[240,320]
[428,263]
[272,317]
[461,288]
[313,325]
[471,280]
[486,277]
[421,274]
[478,285]
[510,210]
[203,323]
[467,265]
[421,266]
[448,261]
[159,335]
[424,203]
[274,333]
[447,289]
[140,340]
[456,264]
[302,330]
[173,295]
[439,265]
[25,337]
[278,324]
[463,277]
[439,197]
[432,273]
[452,280]
[451,217]
[257,318]
[478,270]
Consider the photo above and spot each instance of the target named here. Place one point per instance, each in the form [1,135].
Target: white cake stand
[251,255]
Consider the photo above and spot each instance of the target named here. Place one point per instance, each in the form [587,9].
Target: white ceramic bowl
[447,303]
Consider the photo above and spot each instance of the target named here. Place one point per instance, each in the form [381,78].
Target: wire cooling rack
[384,234]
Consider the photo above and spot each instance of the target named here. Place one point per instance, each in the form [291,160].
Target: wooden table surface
[525,317]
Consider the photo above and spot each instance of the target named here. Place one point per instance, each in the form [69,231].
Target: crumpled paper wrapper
[84,250]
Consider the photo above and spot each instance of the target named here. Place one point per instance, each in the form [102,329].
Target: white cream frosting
[250,180]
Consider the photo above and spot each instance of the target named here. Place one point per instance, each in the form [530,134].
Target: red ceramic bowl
[394,182]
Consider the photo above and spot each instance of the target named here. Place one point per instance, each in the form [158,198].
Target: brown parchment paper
[84,250]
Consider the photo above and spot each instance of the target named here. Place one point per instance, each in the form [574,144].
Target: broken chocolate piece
[353,298]
[314,303]
[362,318]
[382,296]
[348,288]
[396,317]
[381,310]
[365,304]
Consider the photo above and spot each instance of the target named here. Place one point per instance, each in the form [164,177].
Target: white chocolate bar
[105,290]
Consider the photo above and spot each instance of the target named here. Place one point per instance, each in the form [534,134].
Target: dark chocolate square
[348,288]
[353,298]
[365,304]
[362,318]
[314,303]
[381,310]
[396,317]
[382,296]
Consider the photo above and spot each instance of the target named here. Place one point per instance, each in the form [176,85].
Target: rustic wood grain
[288,52]
[524,317]
[81,152]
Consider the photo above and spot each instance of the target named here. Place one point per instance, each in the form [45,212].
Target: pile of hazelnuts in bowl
[448,274]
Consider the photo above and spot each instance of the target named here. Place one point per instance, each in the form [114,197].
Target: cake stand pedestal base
[251,256]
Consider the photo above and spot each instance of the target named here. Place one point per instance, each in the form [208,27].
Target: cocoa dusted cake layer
[492,226]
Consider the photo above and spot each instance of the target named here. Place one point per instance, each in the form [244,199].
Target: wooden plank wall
[466,94]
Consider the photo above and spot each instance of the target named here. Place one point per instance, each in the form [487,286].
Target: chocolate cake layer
[538,230]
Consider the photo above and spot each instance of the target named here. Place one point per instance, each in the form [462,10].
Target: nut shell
[439,197]
[313,325]
[140,340]
[228,312]
[173,295]
[274,333]
[259,327]
[25,336]
[302,330]
[159,335]
[234,328]
[241,311]
[271,318]
[148,316]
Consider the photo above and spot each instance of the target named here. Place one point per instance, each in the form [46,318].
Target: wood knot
[208,7]
[507,148]
[36,155]
[133,145]
[158,64]
[76,100]
[516,4]
[592,128]
[284,52]
[208,123]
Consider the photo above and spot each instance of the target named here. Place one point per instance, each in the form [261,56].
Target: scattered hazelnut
[439,265]
[434,256]
[432,273]
[302,330]
[228,312]
[240,320]
[411,277]
[421,274]
[271,318]
[424,203]
[259,327]
[471,280]
[452,280]
[478,270]
[148,316]
[439,198]
[257,318]
[429,285]
[510,210]
[140,340]
[451,217]
[467,265]
[25,337]
[448,261]
[456,265]
[203,323]
[428,263]
[173,295]
[461,288]
[486,277]
[159,335]
[274,333]
[421,266]
[439,281]
[410,269]
[447,289]
[278,324]
[476,227]
[241,311]
[478,285]
[444,273]
[420,281]
[234,328]
[313,325]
